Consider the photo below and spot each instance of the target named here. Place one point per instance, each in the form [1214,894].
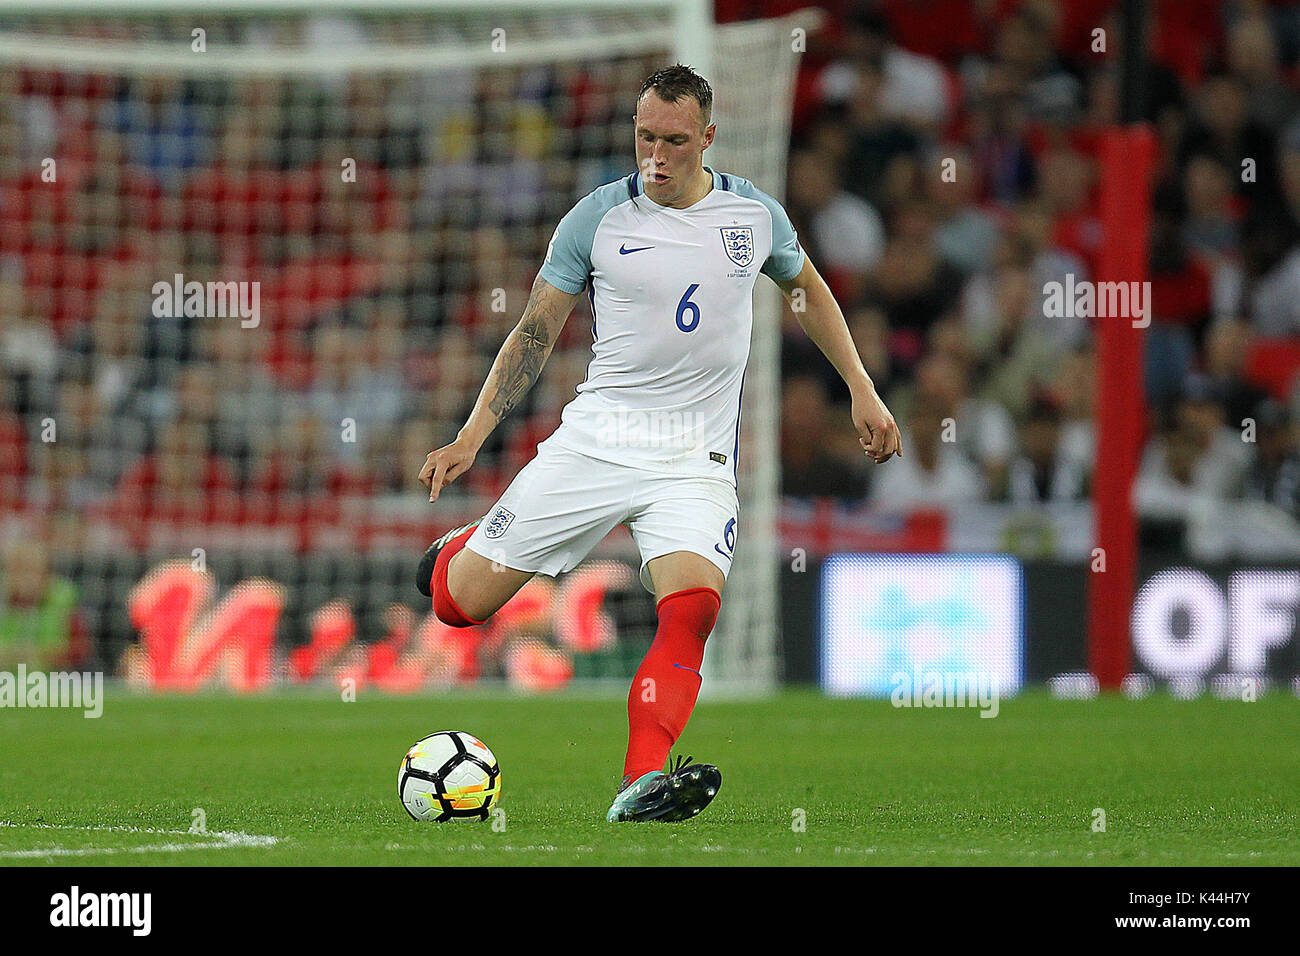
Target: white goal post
[751,67]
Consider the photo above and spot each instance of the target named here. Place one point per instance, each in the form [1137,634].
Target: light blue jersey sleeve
[786,260]
[568,258]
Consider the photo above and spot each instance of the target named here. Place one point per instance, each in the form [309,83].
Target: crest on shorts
[497,524]
[739,243]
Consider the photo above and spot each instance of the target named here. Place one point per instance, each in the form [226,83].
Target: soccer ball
[450,775]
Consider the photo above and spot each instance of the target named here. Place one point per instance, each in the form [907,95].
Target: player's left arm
[819,315]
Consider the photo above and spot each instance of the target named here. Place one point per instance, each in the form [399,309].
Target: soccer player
[668,257]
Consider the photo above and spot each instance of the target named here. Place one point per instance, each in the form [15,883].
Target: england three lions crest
[497,524]
[739,243]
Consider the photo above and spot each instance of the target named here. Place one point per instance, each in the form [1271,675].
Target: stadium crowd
[394,224]
[944,281]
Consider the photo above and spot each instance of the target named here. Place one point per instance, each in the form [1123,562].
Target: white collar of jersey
[719,182]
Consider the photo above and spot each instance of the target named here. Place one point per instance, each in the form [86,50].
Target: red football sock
[444,606]
[668,681]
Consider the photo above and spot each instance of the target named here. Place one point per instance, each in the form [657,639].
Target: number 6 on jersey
[686,305]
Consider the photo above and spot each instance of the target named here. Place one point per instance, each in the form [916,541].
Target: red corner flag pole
[1128,154]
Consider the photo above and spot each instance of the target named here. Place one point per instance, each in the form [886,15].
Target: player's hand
[877,431]
[445,465]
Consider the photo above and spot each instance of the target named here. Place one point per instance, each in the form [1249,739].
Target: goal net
[257,260]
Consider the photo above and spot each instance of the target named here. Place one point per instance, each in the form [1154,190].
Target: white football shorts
[563,503]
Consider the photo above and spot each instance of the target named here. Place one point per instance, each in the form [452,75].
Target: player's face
[670,143]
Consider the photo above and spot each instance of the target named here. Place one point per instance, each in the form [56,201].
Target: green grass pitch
[1202,782]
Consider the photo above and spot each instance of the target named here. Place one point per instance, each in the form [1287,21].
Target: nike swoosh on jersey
[623,250]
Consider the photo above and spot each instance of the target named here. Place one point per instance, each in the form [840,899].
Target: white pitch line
[223,839]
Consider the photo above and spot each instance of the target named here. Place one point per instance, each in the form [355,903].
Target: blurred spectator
[914,286]
[108,443]
[998,130]
[247,403]
[1169,482]
[357,388]
[843,233]
[1270,248]
[933,473]
[38,617]
[1181,282]
[1031,238]
[870,330]
[1073,388]
[162,129]
[29,354]
[391,454]
[182,482]
[1221,127]
[1012,344]
[1274,476]
[1024,49]
[1211,227]
[912,88]
[809,465]
[297,476]
[982,430]
[1197,463]
[1044,470]
[13,455]
[882,154]
[965,233]
[1066,189]
[1253,59]
[1227,349]
[1180,307]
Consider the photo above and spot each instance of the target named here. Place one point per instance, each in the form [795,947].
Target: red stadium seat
[1272,365]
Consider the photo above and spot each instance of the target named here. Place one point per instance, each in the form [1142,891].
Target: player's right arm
[518,365]
[558,285]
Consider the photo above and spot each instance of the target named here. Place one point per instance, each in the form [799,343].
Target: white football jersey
[671,292]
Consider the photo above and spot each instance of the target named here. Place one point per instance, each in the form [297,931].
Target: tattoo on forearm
[522,360]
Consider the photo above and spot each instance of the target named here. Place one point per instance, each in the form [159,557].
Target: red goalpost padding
[1128,155]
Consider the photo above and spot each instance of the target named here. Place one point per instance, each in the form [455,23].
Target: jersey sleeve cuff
[562,282]
[794,274]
